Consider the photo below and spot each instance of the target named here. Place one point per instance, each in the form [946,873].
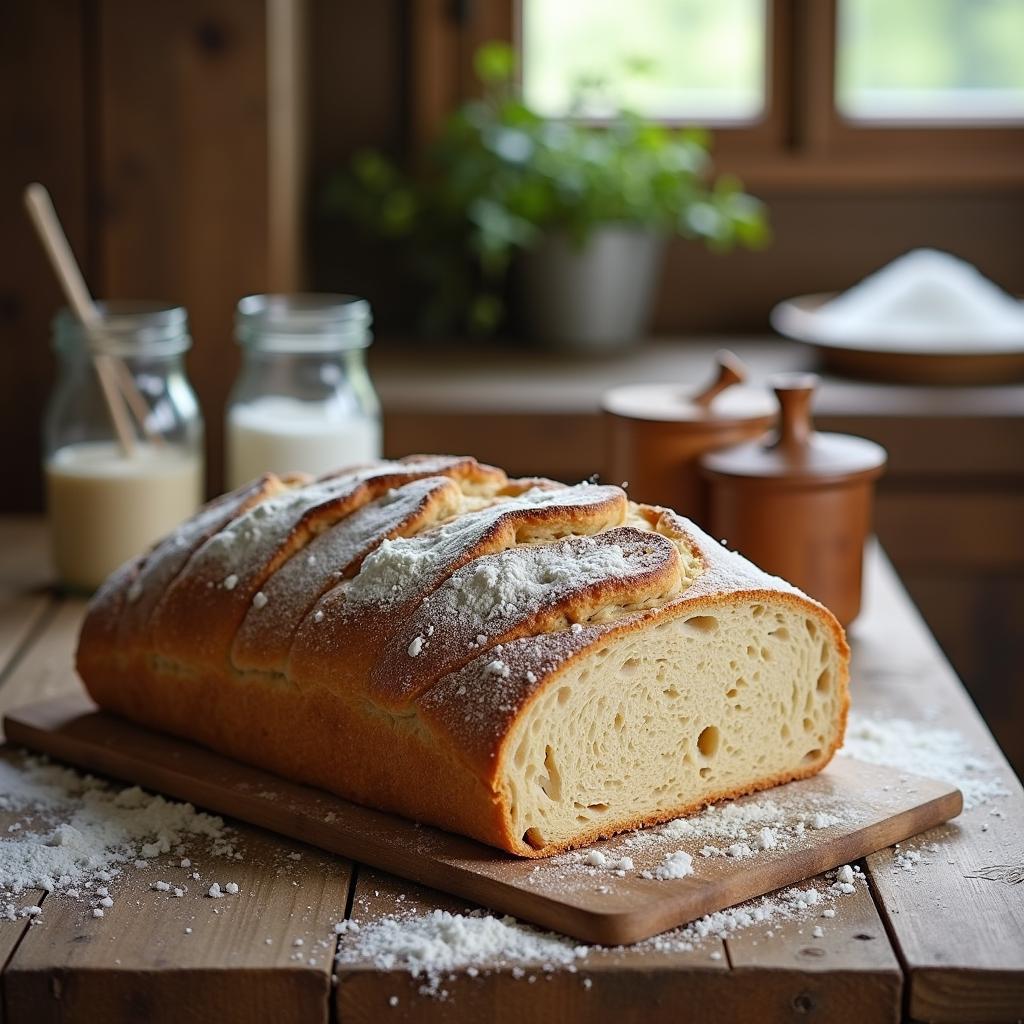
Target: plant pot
[594,298]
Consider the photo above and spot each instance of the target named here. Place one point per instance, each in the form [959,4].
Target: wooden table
[930,945]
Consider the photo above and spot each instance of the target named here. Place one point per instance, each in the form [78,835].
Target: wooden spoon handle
[730,371]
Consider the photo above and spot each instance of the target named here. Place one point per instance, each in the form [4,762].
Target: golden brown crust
[336,683]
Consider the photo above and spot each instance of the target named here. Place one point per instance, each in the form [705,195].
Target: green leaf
[494,63]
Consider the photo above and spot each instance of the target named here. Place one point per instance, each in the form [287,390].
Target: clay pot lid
[797,453]
[722,403]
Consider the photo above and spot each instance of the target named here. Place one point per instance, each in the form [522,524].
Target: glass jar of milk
[106,502]
[303,400]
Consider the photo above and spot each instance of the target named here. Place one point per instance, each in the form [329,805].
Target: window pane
[949,60]
[693,60]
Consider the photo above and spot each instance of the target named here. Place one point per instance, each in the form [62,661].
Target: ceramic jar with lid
[799,504]
[655,434]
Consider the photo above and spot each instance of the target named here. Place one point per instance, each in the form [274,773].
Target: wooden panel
[827,242]
[24,575]
[287,143]
[182,163]
[42,138]
[43,671]
[960,938]
[958,531]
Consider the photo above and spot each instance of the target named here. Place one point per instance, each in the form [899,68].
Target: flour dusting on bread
[533,664]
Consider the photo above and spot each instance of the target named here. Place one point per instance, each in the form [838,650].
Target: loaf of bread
[533,664]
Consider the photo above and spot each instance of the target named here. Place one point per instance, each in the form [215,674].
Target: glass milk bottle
[107,502]
[303,399]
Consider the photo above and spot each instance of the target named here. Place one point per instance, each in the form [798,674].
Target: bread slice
[532,664]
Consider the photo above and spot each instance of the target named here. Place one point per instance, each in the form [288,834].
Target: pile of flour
[73,832]
[923,299]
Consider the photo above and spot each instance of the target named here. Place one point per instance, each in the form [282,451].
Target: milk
[105,508]
[278,434]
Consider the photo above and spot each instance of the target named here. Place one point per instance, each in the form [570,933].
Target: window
[829,94]
[635,54]
[930,60]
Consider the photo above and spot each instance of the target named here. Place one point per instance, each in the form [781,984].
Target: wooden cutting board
[879,806]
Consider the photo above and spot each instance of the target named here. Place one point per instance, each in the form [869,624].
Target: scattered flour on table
[433,946]
[437,946]
[75,831]
[914,747]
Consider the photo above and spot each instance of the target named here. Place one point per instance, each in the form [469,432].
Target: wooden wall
[149,123]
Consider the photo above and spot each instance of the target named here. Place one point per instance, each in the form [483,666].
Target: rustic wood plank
[12,932]
[183,164]
[606,985]
[849,973]
[25,574]
[960,938]
[46,668]
[851,983]
[238,963]
[43,125]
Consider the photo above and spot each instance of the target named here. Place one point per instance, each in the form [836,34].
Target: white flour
[937,753]
[924,298]
[434,945]
[74,831]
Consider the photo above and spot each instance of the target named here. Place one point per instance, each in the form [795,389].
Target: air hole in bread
[620,721]
[731,692]
[671,691]
[812,755]
[812,628]
[757,611]
[600,808]
[705,773]
[563,694]
[766,654]
[825,681]
[708,741]
[701,623]
[808,724]
[533,837]
[784,731]
[551,784]
[630,666]
[780,634]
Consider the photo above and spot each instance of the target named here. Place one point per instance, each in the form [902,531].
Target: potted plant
[577,213]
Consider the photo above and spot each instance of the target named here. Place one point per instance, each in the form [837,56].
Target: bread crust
[347,709]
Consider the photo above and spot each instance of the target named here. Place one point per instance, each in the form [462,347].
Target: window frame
[801,141]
